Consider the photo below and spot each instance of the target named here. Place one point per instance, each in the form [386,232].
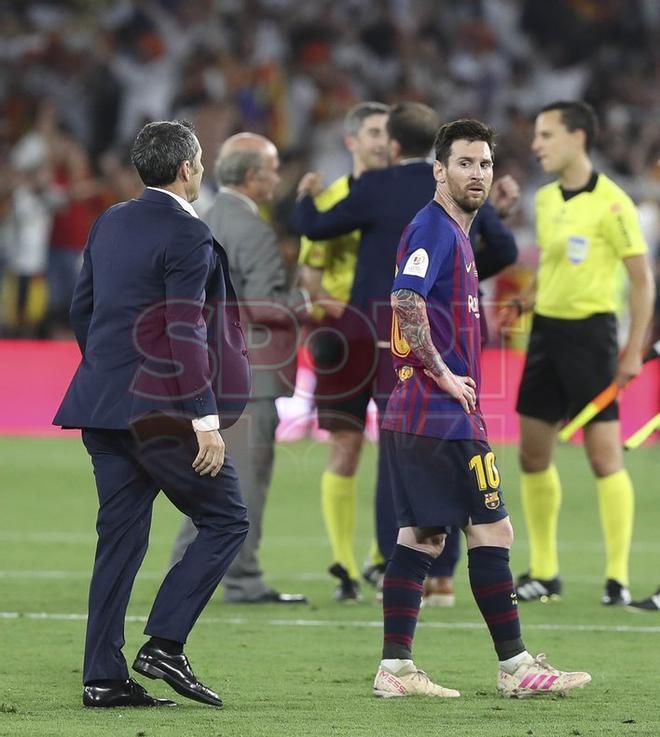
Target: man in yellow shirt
[331,265]
[587,227]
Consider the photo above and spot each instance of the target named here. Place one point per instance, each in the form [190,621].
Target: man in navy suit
[163,367]
[380,204]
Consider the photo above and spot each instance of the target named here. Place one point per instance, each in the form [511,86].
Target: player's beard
[468,204]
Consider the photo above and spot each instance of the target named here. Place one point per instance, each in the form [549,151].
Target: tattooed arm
[410,310]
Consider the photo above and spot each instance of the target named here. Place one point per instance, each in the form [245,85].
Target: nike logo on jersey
[468,267]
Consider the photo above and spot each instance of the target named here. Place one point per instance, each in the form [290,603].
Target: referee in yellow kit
[587,227]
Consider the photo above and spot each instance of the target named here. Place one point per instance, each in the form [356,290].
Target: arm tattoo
[410,310]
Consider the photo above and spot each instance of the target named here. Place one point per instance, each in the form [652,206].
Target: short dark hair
[359,113]
[160,148]
[413,126]
[465,129]
[576,115]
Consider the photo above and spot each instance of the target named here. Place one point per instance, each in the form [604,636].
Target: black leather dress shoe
[127,693]
[175,670]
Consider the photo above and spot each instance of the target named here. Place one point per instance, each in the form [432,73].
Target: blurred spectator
[33,200]
[82,203]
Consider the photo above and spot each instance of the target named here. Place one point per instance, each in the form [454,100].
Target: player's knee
[435,546]
[533,460]
[438,544]
[506,534]
[433,540]
[497,534]
[604,464]
[344,454]
[344,465]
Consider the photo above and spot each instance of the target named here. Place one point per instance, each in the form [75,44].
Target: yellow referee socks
[541,500]
[616,501]
[338,496]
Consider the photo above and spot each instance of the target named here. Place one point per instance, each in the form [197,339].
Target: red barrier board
[35,374]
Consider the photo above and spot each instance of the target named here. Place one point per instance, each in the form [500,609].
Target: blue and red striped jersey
[435,260]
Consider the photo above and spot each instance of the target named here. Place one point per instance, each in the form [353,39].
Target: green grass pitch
[289,672]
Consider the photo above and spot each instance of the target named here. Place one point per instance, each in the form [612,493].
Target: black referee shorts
[568,363]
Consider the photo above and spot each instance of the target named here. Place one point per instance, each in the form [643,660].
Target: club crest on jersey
[577,248]
[492,500]
[405,373]
[417,264]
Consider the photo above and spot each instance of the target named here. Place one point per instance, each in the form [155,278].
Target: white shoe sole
[530,694]
[439,600]
[388,694]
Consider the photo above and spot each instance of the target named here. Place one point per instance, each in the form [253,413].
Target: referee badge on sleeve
[577,248]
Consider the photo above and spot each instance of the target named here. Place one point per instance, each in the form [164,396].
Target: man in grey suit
[247,171]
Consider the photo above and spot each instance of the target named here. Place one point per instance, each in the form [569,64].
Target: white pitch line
[48,616]
[283,577]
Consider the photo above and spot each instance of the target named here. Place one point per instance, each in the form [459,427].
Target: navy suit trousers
[131,467]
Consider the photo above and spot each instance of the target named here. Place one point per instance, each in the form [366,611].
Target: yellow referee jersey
[337,256]
[582,242]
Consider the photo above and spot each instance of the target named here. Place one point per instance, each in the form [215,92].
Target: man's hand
[504,195]
[462,388]
[211,454]
[630,364]
[311,184]
[509,313]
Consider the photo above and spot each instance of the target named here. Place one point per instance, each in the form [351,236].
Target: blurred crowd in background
[79,79]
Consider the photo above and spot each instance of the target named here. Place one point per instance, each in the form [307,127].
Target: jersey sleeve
[622,228]
[424,253]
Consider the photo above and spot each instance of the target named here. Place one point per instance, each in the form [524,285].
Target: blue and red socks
[403,586]
[495,594]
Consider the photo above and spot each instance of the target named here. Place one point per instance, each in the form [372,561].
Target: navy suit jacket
[380,204]
[155,315]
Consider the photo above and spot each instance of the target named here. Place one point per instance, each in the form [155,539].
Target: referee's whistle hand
[211,454]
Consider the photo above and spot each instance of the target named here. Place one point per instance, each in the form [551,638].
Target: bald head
[246,142]
[248,163]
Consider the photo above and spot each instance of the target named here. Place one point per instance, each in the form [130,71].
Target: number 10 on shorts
[487,476]
[485,470]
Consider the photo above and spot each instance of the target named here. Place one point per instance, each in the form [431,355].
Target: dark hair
[413,126]
[160,148]
[465,129]
[359,113]
[576,115]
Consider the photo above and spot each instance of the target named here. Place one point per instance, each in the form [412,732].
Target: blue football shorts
[442,483]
